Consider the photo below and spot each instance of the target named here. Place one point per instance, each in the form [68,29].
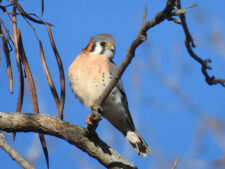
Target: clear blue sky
[169,124]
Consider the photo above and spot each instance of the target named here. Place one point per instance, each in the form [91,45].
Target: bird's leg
[114,65]
[90,116]
[94,118]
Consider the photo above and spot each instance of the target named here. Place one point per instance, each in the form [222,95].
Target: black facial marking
[103,51]
[93,47]
[103,44]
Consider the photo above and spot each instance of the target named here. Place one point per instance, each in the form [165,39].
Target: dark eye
[103,44]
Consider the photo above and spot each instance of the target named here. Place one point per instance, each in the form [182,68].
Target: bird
[90,73]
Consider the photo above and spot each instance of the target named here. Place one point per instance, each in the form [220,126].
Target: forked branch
[189,43]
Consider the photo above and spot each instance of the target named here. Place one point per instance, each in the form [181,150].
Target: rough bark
[45,124]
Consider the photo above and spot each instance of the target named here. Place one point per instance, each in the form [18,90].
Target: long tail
[138,143]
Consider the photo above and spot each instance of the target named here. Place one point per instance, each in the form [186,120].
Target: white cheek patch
[98,49]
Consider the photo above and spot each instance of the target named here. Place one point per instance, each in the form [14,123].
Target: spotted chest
[89,76]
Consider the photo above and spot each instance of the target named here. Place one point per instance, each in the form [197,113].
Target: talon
[114,65]
[92,105]
[88,120]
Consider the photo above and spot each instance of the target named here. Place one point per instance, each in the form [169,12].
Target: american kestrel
[90,73]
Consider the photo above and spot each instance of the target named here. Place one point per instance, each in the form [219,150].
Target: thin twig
[6,31]
[42,7]
[189,43]
[145,14]
[32,27]
[182,11]
[175,163]
[14,154]
[23,13]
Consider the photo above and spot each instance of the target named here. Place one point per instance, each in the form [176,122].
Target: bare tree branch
[23,13]
[76,135]
[175,163]
[189,43]
[45,124]
[14,154]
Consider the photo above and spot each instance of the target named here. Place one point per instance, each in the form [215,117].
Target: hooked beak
[111,47]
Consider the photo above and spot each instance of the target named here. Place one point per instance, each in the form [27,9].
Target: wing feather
[124,97]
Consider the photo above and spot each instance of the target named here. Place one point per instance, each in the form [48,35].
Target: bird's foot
[88,120]
[114,65]
[92,105]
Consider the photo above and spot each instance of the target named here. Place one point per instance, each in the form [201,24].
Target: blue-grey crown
[105,37]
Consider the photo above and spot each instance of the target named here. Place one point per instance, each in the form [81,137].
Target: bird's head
[102,44]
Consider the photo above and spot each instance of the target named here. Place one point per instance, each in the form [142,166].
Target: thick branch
[45,124]
[15,155]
